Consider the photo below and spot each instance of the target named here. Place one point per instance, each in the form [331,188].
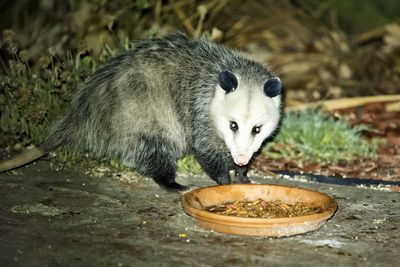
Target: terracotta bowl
[194,203]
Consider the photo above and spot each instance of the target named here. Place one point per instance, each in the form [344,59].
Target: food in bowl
[263,209]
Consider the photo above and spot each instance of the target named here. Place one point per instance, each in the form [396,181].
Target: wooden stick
[345,102]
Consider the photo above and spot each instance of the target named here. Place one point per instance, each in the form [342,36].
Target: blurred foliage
[307,42]
[353,16]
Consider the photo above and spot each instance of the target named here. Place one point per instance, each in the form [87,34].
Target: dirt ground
[66,217]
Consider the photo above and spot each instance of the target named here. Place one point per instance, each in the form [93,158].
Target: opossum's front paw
[223,180]
[244,180]
[242,175]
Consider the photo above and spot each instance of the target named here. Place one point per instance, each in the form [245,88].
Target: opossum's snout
[241,160]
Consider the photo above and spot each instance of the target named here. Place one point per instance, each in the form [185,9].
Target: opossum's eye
[256,130]
[227,81]
[233,125]
[273,87]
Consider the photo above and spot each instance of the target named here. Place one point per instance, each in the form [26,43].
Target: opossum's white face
[245,114]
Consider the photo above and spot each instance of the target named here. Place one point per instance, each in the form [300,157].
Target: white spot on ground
[324,242]
[38,208]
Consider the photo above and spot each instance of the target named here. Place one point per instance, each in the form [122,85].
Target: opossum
[167,97]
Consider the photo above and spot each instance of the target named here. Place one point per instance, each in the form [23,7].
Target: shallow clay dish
[194,203]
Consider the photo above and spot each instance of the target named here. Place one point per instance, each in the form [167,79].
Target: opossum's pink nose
[241,160]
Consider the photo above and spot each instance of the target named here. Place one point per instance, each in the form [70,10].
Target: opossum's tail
[57,137]
[51,142]
[22,158]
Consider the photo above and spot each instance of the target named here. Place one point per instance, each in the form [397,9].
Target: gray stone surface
[68,218]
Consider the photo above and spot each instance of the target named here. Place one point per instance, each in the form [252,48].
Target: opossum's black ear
[273,87]
[228,81]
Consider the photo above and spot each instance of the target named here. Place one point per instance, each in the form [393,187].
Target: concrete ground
[50,217]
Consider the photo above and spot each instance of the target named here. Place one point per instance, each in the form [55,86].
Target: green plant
[189,164]
[30,99]
[315,136]
[68,157]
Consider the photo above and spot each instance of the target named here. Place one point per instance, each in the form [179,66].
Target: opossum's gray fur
[150,105]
